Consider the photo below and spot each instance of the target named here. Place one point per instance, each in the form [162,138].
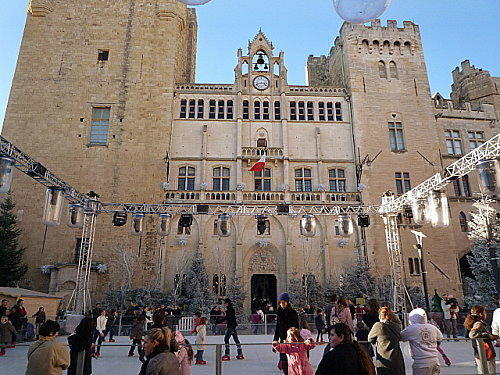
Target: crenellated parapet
[40,8]
[448,108]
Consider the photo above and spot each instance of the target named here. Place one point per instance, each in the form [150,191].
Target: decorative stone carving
[263,261]
[40,8]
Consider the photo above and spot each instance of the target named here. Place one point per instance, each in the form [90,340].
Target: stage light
[186,220]
[224,225]
[364,221]
[360,11]
[437,210]
[164,224]
[346,226]
[194,2]
[54,198]
[488,172]
[261,224]
[119,219]
[308,226]
[418,210]
[6,173]
[75,215]
[137,224]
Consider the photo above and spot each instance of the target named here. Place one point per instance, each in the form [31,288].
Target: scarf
[156,350]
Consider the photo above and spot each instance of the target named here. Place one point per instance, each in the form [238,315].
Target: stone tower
[92,101]
[397,140]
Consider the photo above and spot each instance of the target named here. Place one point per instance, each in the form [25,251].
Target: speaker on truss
[119,219]
[364,221]
[202,208]
[283,209]
[186,220]
[407,212]
[37,170]
[261,224]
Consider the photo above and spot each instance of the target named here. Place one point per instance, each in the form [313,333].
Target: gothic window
[265,110]
[262,180]
[277,110]
[397,47]
[463,222]
[263,226]
[211,109]
[293,111]
[393,70]
[461,187]
[453,142]
[338,111]
[183,108]
[261,142]
[219,285]
[475,139]
[302,111]
[186,178]
[310,111]
[321,110]
[221,178]
[329,111]
[100,126]
[414,265]
[256,110]
[220,109]
[402,182]
[192,108]
[407,47]
[396,138]
[337,180]
[260,62]
[180,284]
[181,230]
[303,179]
[201,108]
[382,71]
[246,110]
[230,109]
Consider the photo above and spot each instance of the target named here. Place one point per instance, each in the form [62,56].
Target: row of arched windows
[382,70]
[217,109]
[312,111]
[385,47]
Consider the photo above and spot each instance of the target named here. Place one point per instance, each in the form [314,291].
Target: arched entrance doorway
[263,290]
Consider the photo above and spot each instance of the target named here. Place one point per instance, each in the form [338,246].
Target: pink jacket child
[184,354]
[298,363]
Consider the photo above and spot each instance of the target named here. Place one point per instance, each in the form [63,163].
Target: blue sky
[452,31]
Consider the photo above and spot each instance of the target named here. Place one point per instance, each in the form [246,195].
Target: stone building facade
[105,97]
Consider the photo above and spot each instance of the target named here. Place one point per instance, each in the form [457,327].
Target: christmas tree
[12,268]
[236,293]
[198,295]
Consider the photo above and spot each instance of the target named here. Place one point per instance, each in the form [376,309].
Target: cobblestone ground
[259,359]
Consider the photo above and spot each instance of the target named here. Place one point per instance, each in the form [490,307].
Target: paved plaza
[259,359]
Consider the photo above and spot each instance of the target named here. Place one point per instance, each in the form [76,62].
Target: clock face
[261,83]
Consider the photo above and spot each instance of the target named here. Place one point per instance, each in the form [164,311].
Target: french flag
[259,166]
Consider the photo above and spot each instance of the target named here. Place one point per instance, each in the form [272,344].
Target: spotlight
[261,224]
[308,226]
[346,225]
[364,221]
[6,173]
[75,216]
[407,212]
[92,194]
[119,219]
[137,224]
[54,199]
[224,225]
[164,224]
[283,209]
[186,220]
[418,209]
[488,172]
[437,210]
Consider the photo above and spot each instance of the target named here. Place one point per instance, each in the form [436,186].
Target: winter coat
[201,337]
[164,363]
[495,324]
[137,330]
[78,343]
[386,337]
[344,316]
[229,318]
[341,360]
[47,357]
[6,332]
[370,318]
[319,322]
[286,318]
[479,331]
[184,362]
[39,317]
[298,363]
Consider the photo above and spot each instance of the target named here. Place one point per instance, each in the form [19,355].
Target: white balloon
[360,11]
[194,2]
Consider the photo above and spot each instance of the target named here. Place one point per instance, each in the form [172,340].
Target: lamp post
[420,236]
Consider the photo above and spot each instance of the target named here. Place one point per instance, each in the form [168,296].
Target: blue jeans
[232,332]
[199,355]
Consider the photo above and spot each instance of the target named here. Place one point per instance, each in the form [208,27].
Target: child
[201,336]
[184,354]
[7,331]
[136,334]
[362,335]
[296,353]
[320,323]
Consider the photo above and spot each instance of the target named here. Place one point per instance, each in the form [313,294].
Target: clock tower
[260,72]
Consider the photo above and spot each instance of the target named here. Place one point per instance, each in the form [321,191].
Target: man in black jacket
[286,318]
[230,319]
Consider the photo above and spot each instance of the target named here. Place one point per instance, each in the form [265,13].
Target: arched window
[302,111]
[407,48]
[229,110]
[463,222]
[192,108]
[337,180]
[321,111]
[211,109]
[260,62]
[414,265]
[386,46]
[201,108]
[244,67]
[293,111]
[262,180]
[303,179]
[397,47]
[185,180]
[256,110]
[329,111]
[183,108]
[220,109]
[365,46]
[221,178]
[219,285]
[338,111]
[276,69]
[261,142]
[246,110]
[382,71]
[310,111]
[393,70]
[265,110]
[277,110]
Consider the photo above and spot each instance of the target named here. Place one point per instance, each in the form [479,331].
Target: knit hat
[284,297]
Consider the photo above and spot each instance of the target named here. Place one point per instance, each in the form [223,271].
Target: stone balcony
[252,197]
[257,152]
